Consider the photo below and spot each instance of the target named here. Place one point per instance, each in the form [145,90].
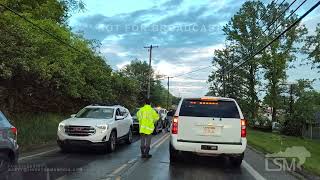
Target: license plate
[208,130]
[207,147]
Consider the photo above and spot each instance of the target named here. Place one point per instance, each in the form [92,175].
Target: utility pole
[150,67]
[291,100]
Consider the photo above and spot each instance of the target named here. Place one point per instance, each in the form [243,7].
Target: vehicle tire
[5,162]
[111,144]
[236,161]
[173,154]
[129,137]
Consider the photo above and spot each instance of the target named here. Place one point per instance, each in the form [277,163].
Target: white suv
[100,126]
[208,126]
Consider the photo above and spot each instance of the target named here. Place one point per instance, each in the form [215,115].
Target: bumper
[80,143]
[222,149]
[96,138]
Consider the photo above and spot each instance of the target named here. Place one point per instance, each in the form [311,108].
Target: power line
[274,21]
[287,17]
[42,29]
[192,71]
[274,1]
[264,13]
[276,38]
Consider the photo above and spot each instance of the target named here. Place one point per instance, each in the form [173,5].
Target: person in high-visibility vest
[147,117]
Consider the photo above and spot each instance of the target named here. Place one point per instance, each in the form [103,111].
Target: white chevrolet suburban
[97,126]
[208,126]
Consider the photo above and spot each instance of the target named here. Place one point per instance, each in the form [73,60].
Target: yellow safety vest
[147,117]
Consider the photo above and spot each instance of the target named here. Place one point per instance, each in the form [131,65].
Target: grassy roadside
[273,142]
[36,129]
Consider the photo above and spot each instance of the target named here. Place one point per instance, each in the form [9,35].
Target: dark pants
[145,143]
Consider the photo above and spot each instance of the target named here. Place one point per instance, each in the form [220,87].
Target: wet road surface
[126,163]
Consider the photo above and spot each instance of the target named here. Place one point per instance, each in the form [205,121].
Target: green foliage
[138,71]
[36,129]
[312,47]
[305,107]
[248,30]
[243,32]
[40,74]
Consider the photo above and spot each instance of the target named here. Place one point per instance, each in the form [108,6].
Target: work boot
[143,153]
[147,153]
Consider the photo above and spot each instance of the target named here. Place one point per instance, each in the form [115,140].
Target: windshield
[96,113]
[134,112]
[198,108]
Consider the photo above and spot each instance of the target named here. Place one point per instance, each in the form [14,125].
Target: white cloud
[123,64]
[170,69]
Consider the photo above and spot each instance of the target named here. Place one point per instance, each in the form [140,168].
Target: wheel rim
[113,142]
[130,136]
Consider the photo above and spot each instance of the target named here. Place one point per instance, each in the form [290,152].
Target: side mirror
[119,117]
[73,115]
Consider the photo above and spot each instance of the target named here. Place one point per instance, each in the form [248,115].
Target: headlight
[61,126]
[103,127]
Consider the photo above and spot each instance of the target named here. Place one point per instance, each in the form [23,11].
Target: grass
[274,142]
[36,129]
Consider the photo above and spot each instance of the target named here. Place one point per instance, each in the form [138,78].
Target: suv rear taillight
[174,129]
[243,128]
[14,131]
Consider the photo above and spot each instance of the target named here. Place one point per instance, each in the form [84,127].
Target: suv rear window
[220,109]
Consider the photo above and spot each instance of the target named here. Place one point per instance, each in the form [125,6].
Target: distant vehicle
[161,124]
[208,126]
[96,126]
[170,115]
[9,149]
[135,128]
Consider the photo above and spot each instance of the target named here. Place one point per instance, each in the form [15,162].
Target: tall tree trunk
[253,109]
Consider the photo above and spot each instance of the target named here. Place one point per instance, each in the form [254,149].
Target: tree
[312,47]
[243,32]
[139,72]
[252,27]
[41,74]
[276,57]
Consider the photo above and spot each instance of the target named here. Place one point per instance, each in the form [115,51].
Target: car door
[128,119]
[120,123]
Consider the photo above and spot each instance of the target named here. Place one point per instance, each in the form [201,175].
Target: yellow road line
[163,140]
[119,169]
[159,140]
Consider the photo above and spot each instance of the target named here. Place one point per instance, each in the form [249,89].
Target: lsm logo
[291,159]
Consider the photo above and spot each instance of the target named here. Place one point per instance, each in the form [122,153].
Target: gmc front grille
[79,130]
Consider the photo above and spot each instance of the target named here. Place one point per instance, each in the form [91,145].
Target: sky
[186,31]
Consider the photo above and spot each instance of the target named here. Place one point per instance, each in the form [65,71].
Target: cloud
[123,64]
[187,33]
[173,3]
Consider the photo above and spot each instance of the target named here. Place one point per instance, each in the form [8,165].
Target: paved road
[125,163]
